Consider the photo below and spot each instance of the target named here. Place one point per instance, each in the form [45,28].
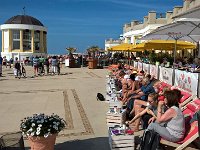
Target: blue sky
[83,23]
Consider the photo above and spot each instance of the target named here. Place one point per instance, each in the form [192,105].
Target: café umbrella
[122,47]
[186,29]
[164,45]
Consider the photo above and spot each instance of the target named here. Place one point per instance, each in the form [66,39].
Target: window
[27,40]
[16,39]
[37,40]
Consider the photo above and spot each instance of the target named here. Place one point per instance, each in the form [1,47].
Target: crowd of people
[50,65]
[149,104]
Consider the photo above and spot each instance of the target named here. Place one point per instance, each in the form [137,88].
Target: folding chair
[192,107]
[186,96]
[192,130]
[191,135]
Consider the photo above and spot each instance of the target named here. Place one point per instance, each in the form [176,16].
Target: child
[148,115]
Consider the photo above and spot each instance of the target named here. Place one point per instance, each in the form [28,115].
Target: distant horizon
[83,23]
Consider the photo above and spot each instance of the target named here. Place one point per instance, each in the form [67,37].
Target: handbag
[100,97]
[150,140]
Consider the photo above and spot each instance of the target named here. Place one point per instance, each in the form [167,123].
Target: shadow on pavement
[100,143]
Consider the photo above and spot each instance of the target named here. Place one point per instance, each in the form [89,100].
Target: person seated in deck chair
[141,94]
[173,119]
[148,115]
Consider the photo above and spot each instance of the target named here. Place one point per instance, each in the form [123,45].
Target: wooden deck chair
[191,135]
[164,84]
[192,107]
[192,130]
[186,96]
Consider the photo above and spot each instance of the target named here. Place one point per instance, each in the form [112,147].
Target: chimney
[169,14]
[186,4]
[176,9]
[152,17]
[127,25]
[145,19]
[134,22]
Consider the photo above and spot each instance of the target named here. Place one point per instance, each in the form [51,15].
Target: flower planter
[42,143]
[92,63]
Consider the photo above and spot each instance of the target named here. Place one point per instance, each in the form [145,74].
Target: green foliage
[93,50]
[71,49]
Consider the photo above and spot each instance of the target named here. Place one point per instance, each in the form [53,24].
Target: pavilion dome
[24,19]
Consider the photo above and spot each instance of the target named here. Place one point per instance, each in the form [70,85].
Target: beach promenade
[71,95]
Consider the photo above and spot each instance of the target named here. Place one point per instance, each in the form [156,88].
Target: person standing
[1,60]
[46,64]
[35,65]
[54,63]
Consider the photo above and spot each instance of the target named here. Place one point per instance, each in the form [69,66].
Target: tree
[71,49]
[93,50]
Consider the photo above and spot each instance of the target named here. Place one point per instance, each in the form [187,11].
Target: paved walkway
[71,95]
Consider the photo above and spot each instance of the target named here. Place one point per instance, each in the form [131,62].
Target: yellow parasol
[164,45]
[123,47]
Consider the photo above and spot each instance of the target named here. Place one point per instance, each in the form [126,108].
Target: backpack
[100,97]
[150,140]
[17,65]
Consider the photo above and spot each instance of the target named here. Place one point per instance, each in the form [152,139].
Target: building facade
[133,31]
[23,36]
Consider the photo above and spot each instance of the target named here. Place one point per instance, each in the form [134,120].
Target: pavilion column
[21,41]
[45,42]
[10,40]
[2,40]
[126,40]
[41,42]
[32,41]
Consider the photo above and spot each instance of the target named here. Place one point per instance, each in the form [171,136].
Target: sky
[83,23]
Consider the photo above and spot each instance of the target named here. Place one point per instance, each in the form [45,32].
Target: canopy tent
[187,29]
[123,47]
[164,45]
[191,13]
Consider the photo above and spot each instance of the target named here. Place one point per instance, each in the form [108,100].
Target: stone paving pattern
[71,95]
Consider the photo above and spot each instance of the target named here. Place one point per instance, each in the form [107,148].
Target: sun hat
[134,72]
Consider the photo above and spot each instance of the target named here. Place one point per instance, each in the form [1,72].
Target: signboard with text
[166,75]
[187,81]
[140,66]
[146,68]
[135,64]
[153,71]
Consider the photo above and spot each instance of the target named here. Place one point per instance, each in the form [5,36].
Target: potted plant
[42,130]
[92,61]
[71,50]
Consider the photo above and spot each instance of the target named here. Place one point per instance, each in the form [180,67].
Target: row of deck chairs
[190,105]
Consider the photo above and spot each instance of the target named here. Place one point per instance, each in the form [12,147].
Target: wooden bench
[121,142]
